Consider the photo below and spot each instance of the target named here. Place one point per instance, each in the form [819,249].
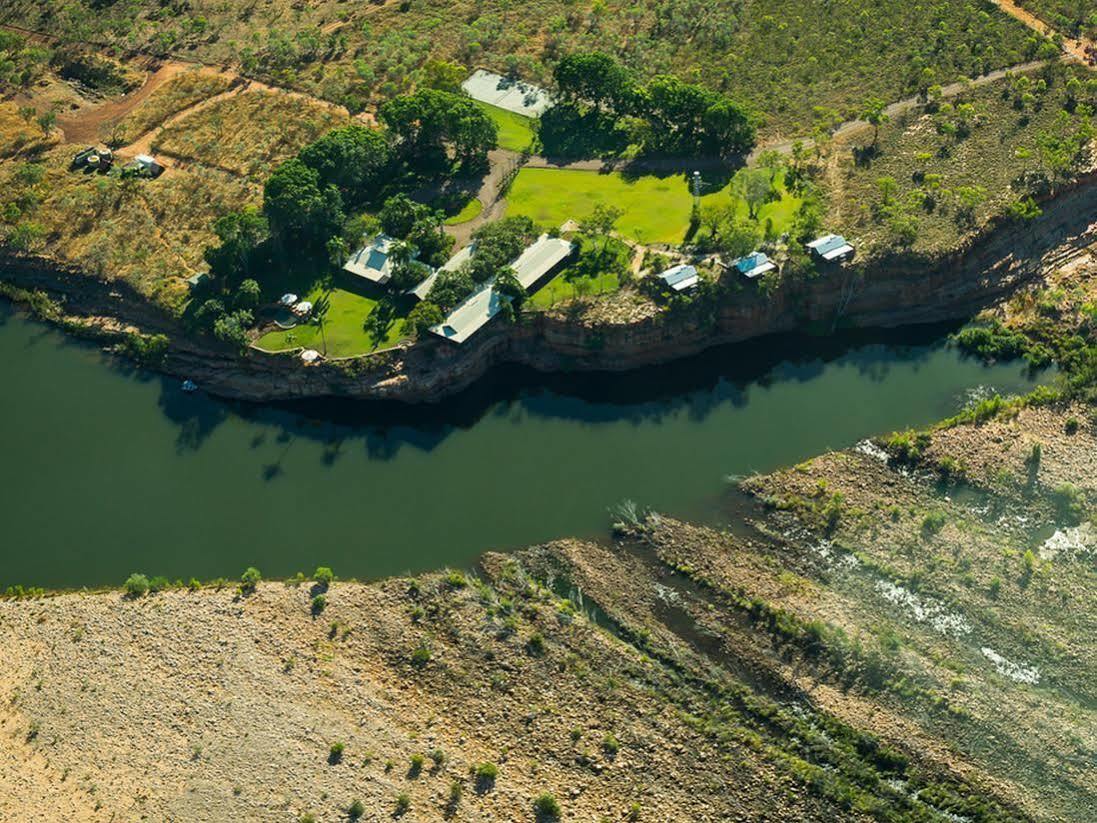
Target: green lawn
[470,210]
[657,209]
[515,131]
[593,272]
[344,327]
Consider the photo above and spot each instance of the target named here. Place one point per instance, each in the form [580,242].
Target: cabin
[472,315]
[373,261]
[507,93]
[753,265]
[831,248]
[681,278]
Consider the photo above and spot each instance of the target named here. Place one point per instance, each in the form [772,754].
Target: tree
[422,317]
[423,121]
[338,249]
[443,75]
[247,295]
[355,159]
[399,215]
[754,186]
[507,285]
[451,287]
[300,208]
[596,79]
[600,223]
[497,244]
[874,113]
[241,234]
[320,315]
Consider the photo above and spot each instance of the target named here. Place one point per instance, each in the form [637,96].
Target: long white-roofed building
[537,260]
[540,258]
[469,317]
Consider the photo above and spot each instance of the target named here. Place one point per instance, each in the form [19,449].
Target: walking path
[1076,48]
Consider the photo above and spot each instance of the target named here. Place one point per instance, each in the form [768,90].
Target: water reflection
[159,480]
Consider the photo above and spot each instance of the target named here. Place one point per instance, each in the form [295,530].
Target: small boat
[189,386]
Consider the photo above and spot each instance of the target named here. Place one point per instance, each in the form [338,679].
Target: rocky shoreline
[904,289]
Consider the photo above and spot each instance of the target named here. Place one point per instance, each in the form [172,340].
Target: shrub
[319,603]
[250,579]
[403,803]
[1070,502]
[1072,425]
[536,644]
[438,757]
[355,810]
[335,753]
[611,745]
[136,585]
[546,805]
[932,523]
[323,576]
[417,761]
[455,579]
[486,774]
[420,657]
[455,792]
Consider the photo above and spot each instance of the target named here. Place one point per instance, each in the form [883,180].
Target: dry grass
[1001,147]
[20,136]
[149,233]
[249,134]
[176,95]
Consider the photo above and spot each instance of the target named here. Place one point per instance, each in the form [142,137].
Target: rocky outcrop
[903,289]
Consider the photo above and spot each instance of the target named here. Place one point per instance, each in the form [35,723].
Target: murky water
[105,471]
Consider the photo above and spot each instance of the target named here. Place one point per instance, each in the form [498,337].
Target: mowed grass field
[515,131]
[656,209]
[344,327]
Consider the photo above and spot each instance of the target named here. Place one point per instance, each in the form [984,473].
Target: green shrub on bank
[136,585]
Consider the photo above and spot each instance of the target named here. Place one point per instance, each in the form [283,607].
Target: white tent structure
[505,93]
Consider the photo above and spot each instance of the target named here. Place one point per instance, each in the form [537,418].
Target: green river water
[105,471]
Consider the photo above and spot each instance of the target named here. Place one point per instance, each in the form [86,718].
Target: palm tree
[319,314]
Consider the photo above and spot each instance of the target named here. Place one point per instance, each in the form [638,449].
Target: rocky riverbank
[900,290]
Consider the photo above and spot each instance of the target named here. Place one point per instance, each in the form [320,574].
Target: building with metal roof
[753,265]
[506,93]
[831,248]
[373,261]
[469,317]
[539,258]
[680,278]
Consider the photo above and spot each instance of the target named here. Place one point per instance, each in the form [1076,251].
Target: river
[106,471]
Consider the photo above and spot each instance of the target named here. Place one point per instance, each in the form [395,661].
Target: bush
[403,803]
[486,774]
[136,585]
[323,576]
[611,745]
[546,806]
[319,603]
[420,657]
[250,579]
[932,523]
[355,810]
[335,753]
[417,762]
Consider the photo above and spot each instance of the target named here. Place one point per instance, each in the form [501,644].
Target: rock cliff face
[901,290]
